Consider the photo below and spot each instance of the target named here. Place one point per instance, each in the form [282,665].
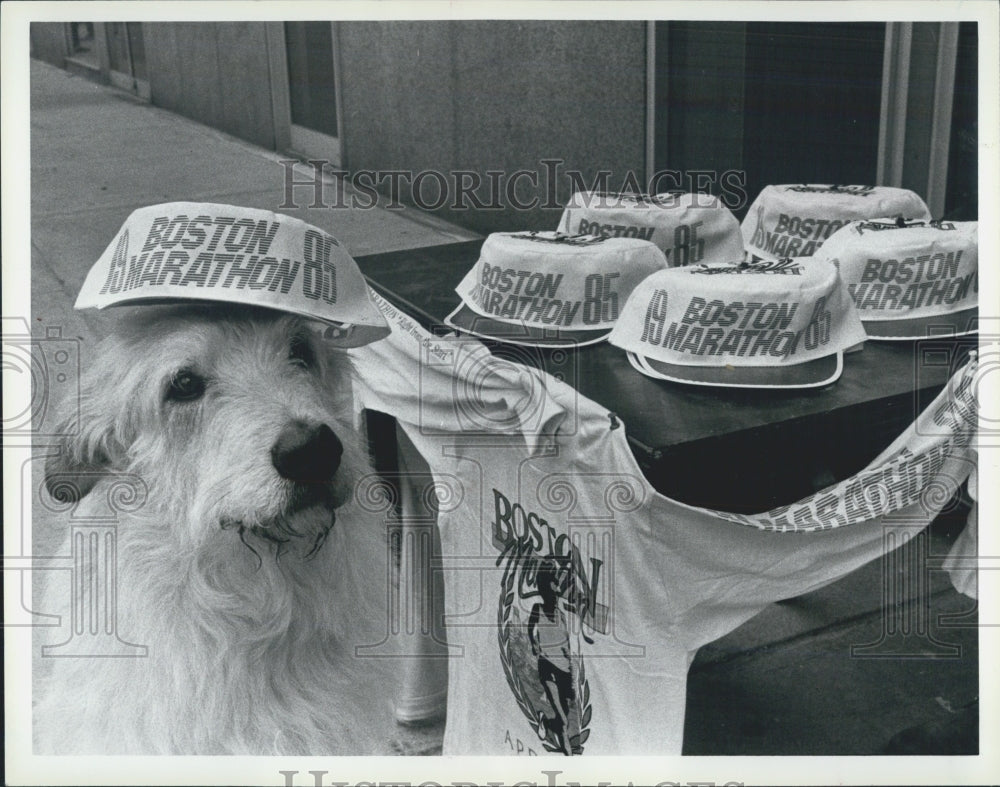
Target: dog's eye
[185,386]
[301,352]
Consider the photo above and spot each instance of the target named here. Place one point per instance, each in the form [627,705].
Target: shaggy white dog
[249,572]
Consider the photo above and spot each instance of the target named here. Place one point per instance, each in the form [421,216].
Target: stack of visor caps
[540,288]
[910,280]
[687,228]
[795,220]
[183,251]
[764,324]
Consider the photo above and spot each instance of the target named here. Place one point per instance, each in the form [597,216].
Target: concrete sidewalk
[784,683]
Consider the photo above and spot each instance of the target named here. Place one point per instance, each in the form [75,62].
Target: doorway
[127,57]
[305,89]
[108,52]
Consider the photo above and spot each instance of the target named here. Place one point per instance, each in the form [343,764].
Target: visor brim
[465,319]
[337,334]
[937,326]
[810,374]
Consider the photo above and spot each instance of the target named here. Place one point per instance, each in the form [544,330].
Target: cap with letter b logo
[208,252]
[767,324]
[537,288]
[910,280]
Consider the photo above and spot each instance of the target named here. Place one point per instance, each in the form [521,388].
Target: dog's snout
[307,452]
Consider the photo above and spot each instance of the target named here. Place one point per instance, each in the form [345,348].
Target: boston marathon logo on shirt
[548,602]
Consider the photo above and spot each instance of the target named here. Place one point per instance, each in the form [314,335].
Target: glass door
[82,44]
[127,57]
[305,89]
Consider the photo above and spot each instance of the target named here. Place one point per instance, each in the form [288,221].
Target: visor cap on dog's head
[910,280]
[687,228]
[794,220]
[766,324]
[539,288]
[182,251]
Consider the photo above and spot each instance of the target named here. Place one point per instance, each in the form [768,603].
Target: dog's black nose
[307,452]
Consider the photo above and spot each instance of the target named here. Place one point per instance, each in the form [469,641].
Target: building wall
[433,96]
[467,97]
[479,96]
[48,42]
[215,73]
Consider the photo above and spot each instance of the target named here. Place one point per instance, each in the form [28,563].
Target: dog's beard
[301,527]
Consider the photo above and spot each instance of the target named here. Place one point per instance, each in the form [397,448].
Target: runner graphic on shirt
[548,633]
[539,647]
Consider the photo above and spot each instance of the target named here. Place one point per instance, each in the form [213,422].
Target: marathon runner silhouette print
[543,669]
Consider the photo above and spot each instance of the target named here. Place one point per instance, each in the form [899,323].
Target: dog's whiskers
[320,539]
[285,527]
[270,534]
[243,539]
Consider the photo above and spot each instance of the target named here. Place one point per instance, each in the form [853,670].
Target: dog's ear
[90,431]
[86,441]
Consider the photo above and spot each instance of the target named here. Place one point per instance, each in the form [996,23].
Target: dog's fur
[251,610]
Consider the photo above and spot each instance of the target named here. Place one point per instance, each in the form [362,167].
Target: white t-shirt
[552,498]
